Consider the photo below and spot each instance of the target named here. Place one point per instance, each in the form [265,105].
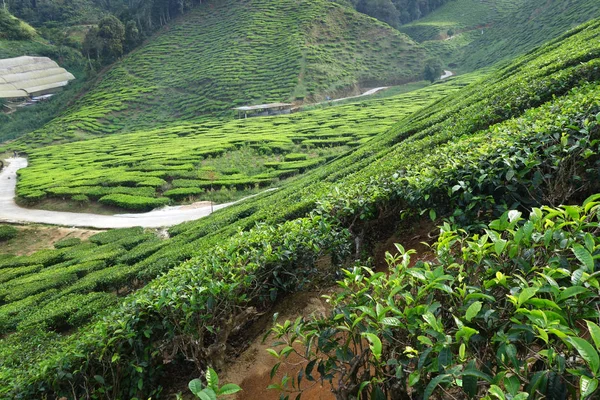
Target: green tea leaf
[376,346]
[594,332]
[208,394]
[413,378]
[195,386]
[434,383]
[473,310]
[526,294]
[584,256]
[228,389]
[587,386]
[212,379]
[587,352]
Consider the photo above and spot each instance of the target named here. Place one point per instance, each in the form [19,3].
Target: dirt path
[252,369]
[166,216]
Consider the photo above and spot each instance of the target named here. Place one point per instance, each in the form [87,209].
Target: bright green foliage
[461,16]
[212,390]
[68,242]
[184,161]
[470,321]
[486,32]
[526,135]
[70,280]
[13,29]
[232,53]
[134,202]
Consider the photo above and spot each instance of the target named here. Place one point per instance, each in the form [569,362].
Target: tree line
[396,12]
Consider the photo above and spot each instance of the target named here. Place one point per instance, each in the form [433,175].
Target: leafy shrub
[67,242]
[295,157]
[7,232]
[81,198]
[508,311]
[134,202]
[115,235]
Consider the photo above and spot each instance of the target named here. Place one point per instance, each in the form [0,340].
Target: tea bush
[7,232]
[508,313]
[181,161]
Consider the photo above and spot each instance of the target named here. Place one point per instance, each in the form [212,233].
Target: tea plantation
[231,53]
[480,320]
[471,34]
[184,162]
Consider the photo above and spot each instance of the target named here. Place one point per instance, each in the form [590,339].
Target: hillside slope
[503,142]
[230,53]
[478,33]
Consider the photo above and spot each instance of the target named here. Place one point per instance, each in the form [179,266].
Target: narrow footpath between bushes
[167,216]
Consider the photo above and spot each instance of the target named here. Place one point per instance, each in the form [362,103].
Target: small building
[22,78]
[262,110]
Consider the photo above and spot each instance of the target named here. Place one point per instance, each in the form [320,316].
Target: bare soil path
[166,216]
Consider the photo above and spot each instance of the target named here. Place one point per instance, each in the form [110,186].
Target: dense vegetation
[526,136]
[183,162]
[244,54]
[471,34]
[510,313]
[396,12]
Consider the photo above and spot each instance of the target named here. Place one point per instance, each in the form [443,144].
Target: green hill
[525,136]
[230,53]
[486,32]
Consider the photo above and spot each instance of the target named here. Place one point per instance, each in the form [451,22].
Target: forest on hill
[453,227]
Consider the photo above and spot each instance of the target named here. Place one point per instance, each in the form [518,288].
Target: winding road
[167,216]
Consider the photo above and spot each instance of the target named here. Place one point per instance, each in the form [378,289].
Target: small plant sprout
[212,391]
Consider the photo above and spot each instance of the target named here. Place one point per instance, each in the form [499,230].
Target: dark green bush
[7,232]
[137,203]
[67,242]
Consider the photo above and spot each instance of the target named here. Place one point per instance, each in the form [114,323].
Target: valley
[438,239]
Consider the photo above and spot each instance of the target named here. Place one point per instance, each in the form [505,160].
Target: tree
[132,36]
[383,10]
[111,34]
[433,69]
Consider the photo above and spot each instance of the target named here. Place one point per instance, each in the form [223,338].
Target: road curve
[11,212]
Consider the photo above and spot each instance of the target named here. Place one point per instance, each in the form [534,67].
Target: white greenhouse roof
[27,76]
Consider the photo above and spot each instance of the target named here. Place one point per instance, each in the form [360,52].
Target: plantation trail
[252,368]
[166,216]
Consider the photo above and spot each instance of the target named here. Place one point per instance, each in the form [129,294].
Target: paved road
[11,212]
[447,74]
[367,93]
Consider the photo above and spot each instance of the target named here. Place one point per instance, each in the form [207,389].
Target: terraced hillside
[486,32]
[230,53]
[501,143]
[182,162]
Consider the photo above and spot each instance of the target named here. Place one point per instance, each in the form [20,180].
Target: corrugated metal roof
[24,76]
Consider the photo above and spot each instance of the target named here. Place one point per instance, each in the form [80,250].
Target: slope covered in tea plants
[231,53]
[183,161]
[474,34]
[528,135]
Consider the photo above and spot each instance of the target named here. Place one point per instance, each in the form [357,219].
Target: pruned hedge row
[161,162]
[129,202]
[39,289]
